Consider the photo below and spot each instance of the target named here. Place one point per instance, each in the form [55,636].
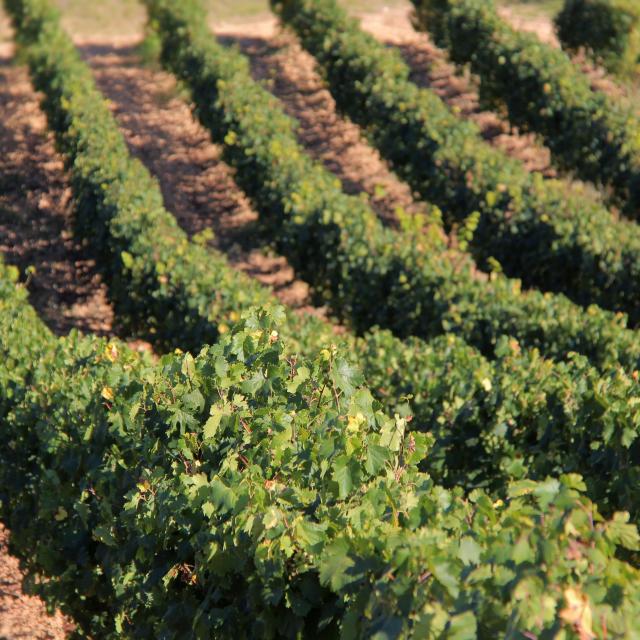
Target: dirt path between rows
[198,187]
[289,73]
[24,617]
[35,216]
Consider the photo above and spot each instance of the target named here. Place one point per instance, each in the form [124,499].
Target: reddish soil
[198,186]
[35,216]
[24,617]
[541,25]
[430,68]
[289,73]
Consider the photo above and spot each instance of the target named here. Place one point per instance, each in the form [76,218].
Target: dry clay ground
[35,200]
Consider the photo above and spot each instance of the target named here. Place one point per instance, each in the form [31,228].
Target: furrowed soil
[36,228]
[198,187]
[24,617]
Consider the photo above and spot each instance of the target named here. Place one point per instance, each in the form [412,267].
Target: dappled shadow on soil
[288,72]
[24,617]
[35,216]
[198,187]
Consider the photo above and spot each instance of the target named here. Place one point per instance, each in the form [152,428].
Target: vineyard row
[509,410]
[369,274]
[542,91]
[229,495]
[552,235]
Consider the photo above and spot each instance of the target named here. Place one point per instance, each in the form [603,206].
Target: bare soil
[540,24]
[431,69]
[36,216]
[24,617]
[289,73]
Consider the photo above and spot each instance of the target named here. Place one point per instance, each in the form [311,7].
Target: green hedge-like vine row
[239,494]
[491,420]
[521,415]
[371,275]
[542,91]
[517,417]
[609,30]
[157,275]
[551,235]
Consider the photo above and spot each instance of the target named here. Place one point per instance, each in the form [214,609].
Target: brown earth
[540,24]
[35,216]
[24,617]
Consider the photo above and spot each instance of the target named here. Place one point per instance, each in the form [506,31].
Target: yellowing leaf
[107,394]
[143,486]
[212,424]
[127,259]
[355,422]
[61,514]
[13,273]
[392,434]
[111,352]
[287,546]
[271,519]
[577,613]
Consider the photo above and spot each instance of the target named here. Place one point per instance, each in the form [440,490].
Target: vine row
[542,91]
[369,274]
[492,419]
[227,495]
[551,235]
